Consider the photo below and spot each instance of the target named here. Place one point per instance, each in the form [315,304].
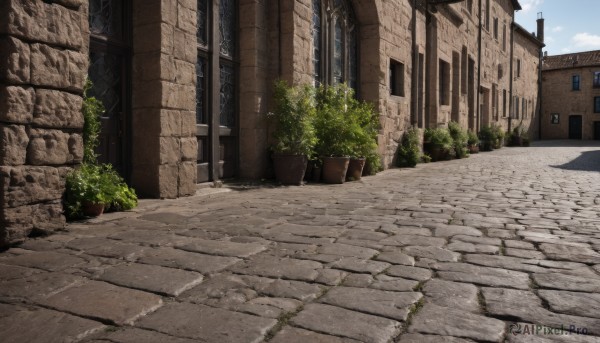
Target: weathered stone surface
[404,240]
[13,145]
[99,246]
[418,338]
[155,279]
[26,185]
[462,296]
[295,335]
[453,230]
[15,59]
[508,262]
[437,320]
[134,335]
[53,147]
[396,257]
[393,305]
[433,253]
[223,248]
[575,303]
[37,287]
[32,324]
[465,247]
[207,324]
[567,282]
[462,272]
[55,109]
[415,273]
[310,231]
[175,258]
[45,260]
[388,283]
[117,305]
[340,322]
[346,250]
[569,253]
[271,266]
[8,272]
[358,265]
[16,104]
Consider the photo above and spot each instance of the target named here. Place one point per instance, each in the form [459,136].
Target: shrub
[294,117]
[460,139]
[499,136]
[439,144]
[488,138]
[409,151]
[92,109]
[472,138]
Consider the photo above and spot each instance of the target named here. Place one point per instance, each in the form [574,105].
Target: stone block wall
[164,146]
[526,85]
[43,66]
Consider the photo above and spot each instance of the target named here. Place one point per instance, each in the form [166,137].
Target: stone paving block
[295,335]
[207,324]
[33,324]
[8,272]
[405,230]
[270,307]
[45,260]
[575,303]
[135,335]
[437,320]
[330,277]
[568,253]
[396,257]
[418,338]
[468,273]
[507,262]
[408,239]
[358,280]
[271,266]
[310,231]
[346,250]
[358,265]
[175,258]
[524,253]
[155,279]
[393,305]
[465,247]
[453,230]
[526,306]
[38,286]
[100,246]
[337,321]
[567,282]
[462,296]
[414,273]
[105,302]
[150,237]
[388,283]
[222,248]
[509,243]
[433,253]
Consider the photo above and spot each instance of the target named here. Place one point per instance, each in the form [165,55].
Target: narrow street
[472,250]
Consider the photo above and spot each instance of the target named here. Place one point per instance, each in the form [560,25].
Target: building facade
[186,83]
[571,96]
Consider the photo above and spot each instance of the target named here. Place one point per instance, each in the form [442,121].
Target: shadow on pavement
[587,161]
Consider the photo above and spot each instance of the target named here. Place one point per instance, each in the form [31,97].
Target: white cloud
[557,29]
[529,5]
[565,50]
[585,40]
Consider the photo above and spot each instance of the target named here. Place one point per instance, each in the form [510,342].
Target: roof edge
[528,35]
[517,5]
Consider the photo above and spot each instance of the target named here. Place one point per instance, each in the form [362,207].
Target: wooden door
[597,130]
[575,127]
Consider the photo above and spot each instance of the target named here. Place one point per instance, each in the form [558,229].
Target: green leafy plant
[294,117]
[460,139]
[518,136]
[92,109]
[488,137]
[472,138]
[409,151]
[499,135]
[439,144]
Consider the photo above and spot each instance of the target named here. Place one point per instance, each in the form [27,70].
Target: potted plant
[460,139]
[363,124]
[439,144]
[409,150]
[499,136]
[488,138]
[294,133]
[472,142]
[334,132]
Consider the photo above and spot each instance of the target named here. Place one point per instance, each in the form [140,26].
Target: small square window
[597,104]
[597,79]
[396,78]
[576,82]
[555,118]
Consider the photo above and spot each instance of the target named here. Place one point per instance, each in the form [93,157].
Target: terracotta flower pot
[290,169]
[355,169]
[334,169]
[91,209]
[473,149]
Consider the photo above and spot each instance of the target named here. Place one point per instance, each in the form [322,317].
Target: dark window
[518,68]
[576,82]
[597,79]
[106,18]
[555,118]
[488,11]
[516,107]
[335,47]
[504,103]
[496,28]
[470,5]
[504,38]
[464,62]
[396,78]
[597,104]
[444,84]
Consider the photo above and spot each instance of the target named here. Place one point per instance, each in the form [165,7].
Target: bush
[472,138]
[460,139]
[439,144]
[499,136]
[488,138]
[92,109]
[409,151]
[294,117]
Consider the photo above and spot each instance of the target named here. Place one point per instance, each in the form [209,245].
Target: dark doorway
[471,95]
[109,72]
[575,127]
[597,130]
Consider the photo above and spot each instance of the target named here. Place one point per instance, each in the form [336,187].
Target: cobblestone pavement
[459,251]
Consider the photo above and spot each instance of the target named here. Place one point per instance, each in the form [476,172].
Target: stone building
[571,96]
[186,83]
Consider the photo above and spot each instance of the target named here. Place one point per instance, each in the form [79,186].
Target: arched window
[335,32]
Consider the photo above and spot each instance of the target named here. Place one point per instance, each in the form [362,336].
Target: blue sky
[571,25]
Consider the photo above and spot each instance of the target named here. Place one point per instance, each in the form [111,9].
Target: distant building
[187,83]
[571,96]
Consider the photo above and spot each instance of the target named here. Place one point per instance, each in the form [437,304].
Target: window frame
[578,82]
[444,82]
[396,78]
[597,104]
[596,80]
